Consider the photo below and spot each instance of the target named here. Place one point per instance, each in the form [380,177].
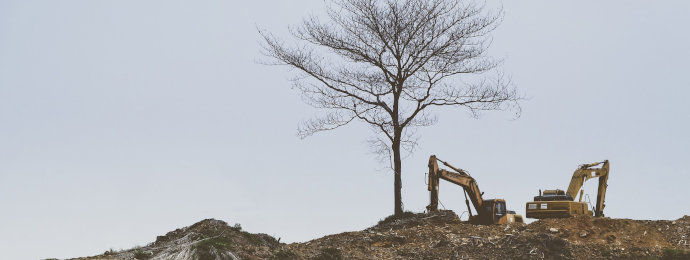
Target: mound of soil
[438,235]
[442,235]
[208,239]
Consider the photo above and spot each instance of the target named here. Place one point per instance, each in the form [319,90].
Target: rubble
[439,235]
[443,236]
[207,239]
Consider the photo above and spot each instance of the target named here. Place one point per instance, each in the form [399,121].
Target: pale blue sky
[123,120]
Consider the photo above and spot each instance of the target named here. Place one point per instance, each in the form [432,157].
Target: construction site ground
[439,235]
[443,236]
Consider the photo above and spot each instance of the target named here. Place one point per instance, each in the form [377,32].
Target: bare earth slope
[434,236]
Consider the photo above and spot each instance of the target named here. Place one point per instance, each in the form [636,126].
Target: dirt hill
[434,236]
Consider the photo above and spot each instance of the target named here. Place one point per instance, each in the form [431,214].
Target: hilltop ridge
[439,235]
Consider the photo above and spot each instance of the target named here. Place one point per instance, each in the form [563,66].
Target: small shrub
[285,255]
[675,254]
[329,253]
[405,253]
[393,217]
[142,255]
[110,252]
[606,253]
[260,239]
[237,227]
[219,243]
[207,249]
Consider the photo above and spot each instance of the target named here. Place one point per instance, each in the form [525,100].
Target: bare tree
[387,62]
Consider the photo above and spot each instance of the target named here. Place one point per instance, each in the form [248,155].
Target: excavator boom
[584,173]
[461,178]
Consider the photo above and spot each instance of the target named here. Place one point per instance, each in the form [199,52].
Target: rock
[553,230]
[583,234]
[442,243]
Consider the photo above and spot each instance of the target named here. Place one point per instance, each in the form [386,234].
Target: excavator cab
[496,208]
[550,195]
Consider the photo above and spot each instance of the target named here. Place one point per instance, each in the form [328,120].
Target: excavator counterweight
[561,204]
[488,211]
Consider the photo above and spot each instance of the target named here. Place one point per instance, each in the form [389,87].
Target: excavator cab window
[489,208]
[500,210]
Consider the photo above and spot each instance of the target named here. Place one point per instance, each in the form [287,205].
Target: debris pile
[438,235]
[207,239]
[443,236]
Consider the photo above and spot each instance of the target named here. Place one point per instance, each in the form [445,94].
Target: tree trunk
[397,164]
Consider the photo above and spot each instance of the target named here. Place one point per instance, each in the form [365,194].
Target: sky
[123,120]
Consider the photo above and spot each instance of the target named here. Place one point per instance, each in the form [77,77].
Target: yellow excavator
[561,204]
[488,211]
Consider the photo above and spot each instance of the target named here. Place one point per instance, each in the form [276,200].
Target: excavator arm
[489,211]
[460,177]
[586,172]
[601,193]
